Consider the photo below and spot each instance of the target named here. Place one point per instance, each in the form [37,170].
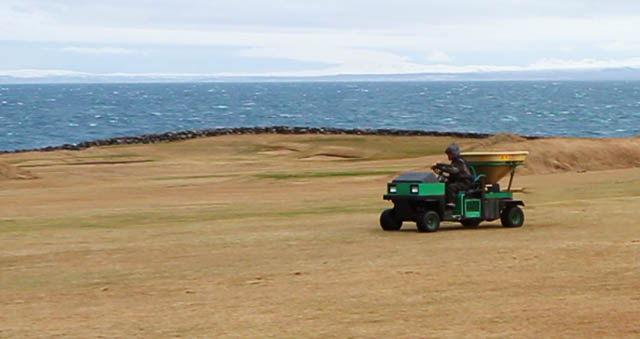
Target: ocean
[36,116]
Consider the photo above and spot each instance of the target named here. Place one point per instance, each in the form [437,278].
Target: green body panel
[460,204]
[472,208]
[468,208]
[404,188]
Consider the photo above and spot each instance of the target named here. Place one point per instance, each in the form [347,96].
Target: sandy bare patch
[11,172]
[277,150]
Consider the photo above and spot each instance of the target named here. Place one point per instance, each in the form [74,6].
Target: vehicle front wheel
[388,222]
[428,222]
[512,217]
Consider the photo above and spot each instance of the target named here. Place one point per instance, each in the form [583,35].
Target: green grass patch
[205,176]
[342,209]
[166,217]
[245,148]
[284,176]
[96,156]
[333,140]
[116,221]
[108,156]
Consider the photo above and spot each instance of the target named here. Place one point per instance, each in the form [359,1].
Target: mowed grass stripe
[284,176]
[203,176]
[164,218]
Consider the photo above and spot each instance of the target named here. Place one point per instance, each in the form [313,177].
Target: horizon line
[438,70]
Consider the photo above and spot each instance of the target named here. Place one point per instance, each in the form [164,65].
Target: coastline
[212,132]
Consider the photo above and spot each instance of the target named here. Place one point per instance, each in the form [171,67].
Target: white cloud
[505,35]
[369,67]
[559,64]
[353,36]
[41,73]
[622,46]
[405,67]
[439,57]
[341,14]
[97,50]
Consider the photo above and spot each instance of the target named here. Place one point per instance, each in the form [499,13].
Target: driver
[460,177]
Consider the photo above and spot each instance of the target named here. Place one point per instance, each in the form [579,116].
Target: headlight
[414,189]
[393,189]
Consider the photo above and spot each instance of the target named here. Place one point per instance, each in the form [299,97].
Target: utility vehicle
[420,196]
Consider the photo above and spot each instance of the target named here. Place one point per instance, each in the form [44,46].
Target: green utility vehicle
[420,196]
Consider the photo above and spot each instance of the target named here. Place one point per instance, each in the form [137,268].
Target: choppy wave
[36,116]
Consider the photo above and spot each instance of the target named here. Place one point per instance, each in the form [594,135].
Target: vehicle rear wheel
[512,216]
[388,221]
[428,222]
[470,223]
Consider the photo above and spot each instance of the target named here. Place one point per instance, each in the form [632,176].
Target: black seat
[477,187]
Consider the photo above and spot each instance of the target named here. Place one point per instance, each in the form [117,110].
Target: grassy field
[278,236]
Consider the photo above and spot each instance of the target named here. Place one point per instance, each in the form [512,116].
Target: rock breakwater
[212,132]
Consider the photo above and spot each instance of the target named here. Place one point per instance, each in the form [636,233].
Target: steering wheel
[440,175]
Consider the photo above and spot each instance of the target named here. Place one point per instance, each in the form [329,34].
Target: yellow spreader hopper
[495,165]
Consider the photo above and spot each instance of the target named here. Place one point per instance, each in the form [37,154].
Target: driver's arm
[446,168]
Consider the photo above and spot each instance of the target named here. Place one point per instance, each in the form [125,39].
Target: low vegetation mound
[551,155]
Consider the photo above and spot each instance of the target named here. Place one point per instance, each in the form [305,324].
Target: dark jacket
[459,170]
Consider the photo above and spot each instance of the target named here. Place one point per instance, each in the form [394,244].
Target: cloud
[351,14]
[441,25]
[42,73]
[405,67]
[560,64]
[356,36]
[622,46]
[439,57]
[344,68]
[97,50]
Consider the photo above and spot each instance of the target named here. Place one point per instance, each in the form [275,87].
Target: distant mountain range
[39,77]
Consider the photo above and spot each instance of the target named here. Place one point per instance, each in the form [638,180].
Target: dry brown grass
[10,172]
[243,236]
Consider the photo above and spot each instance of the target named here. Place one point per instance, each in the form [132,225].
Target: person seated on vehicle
[460,177]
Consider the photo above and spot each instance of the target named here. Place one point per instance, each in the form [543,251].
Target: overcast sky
[304,37]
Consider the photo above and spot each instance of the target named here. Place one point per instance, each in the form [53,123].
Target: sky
[303,37]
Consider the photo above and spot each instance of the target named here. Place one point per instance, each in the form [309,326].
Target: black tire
[512,216]
[388,221]
[428,222]
[470,223]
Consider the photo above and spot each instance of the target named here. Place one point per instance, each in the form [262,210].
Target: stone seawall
[211,132]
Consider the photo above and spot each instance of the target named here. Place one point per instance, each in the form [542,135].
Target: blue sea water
[34,116]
